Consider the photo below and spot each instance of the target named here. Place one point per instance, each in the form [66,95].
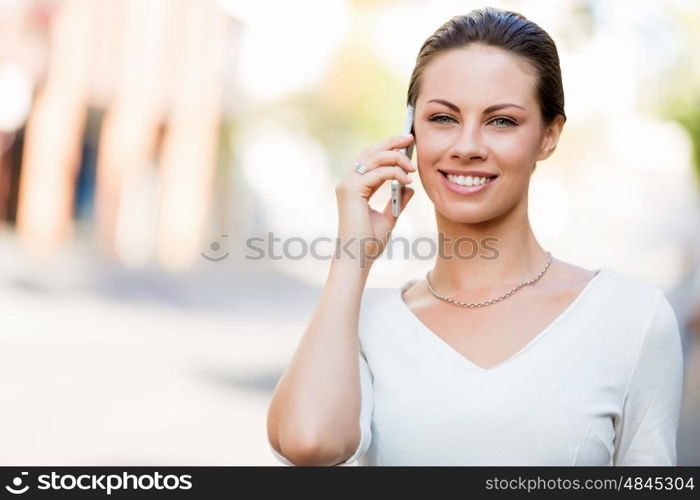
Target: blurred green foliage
[687,113]
[358,102]
[681,99]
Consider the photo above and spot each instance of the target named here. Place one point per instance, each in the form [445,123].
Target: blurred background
[143,143]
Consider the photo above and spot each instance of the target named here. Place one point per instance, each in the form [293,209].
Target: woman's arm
[314,415]
[647,431]
[367,407]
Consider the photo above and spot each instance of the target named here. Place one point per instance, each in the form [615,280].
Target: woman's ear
[551,137]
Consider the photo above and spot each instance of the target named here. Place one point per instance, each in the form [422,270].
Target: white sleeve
[278,456]
[367,404]
[646,433]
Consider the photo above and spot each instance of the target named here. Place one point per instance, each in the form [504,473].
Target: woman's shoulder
[627,289]
[623,310]
[379,314]
[634,308]
[630,289]
[376,296]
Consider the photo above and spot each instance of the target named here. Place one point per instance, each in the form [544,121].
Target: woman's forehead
[480,73]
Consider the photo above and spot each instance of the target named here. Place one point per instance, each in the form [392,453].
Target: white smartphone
[397,187]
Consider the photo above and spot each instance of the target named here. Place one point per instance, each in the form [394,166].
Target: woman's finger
[377,176]
[389,158]
[367,184]
[395,142]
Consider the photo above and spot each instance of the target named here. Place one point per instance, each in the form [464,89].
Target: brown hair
[507,30]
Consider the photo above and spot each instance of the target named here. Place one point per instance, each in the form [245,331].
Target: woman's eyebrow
[490,109]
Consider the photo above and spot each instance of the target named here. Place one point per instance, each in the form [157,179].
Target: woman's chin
[463,215]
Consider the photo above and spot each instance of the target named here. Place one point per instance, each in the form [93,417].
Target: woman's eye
[506,122]
[435,118]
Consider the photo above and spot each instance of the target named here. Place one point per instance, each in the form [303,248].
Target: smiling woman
[548,364]
[485,106]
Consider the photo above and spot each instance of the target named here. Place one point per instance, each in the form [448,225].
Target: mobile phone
[397,188]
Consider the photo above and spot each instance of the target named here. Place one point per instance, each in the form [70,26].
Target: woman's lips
[464,190]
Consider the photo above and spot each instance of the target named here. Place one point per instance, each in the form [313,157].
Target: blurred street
[102,366]
[106,367]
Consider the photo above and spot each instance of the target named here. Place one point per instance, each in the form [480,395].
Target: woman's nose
[469,143]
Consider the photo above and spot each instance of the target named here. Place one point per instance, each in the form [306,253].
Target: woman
[507,357]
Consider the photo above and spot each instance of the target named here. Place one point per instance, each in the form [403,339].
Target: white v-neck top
[600,385]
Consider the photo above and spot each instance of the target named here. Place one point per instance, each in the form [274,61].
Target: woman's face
[460,133]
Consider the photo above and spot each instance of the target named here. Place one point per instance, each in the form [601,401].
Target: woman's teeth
[469,180]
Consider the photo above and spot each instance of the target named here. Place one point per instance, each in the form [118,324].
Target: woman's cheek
[436,140]
[513,155]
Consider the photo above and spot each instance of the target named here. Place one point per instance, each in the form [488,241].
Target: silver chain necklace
[492,301]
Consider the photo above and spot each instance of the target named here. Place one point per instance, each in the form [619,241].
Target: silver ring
[360,168]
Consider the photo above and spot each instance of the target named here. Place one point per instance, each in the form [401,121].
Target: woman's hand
[357,219]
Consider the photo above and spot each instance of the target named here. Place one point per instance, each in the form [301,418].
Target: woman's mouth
[466,184]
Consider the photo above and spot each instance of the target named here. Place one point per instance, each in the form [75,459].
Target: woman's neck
[486,257]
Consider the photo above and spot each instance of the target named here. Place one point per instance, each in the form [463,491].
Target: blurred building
[119,123]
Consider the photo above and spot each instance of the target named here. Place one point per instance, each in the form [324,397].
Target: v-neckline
[464,359]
